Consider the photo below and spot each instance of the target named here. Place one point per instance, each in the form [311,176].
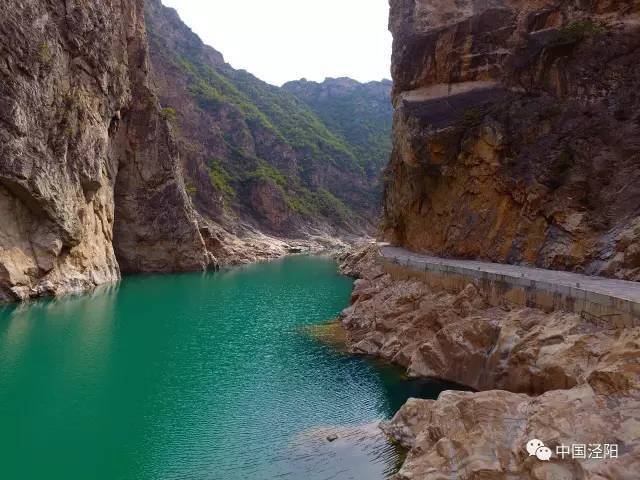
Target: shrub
[191,189]
[170,115]
[472,117]
[576,32]
[220,179]
[44,53]
[266,171]
[560,168]
[331,206]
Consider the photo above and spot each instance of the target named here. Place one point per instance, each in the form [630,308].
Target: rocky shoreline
[556,377]
[251,247]
[112,162]
[255,246]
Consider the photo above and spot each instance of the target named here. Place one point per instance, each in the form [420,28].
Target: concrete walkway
[617,289]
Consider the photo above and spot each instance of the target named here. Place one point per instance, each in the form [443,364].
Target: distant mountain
[360,113]
[282,159]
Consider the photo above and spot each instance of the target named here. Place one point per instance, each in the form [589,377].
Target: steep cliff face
[517,132]
[89,177]
[254,153]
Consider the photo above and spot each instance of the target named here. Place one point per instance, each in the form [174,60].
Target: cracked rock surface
[556,377]
[517,133]
[89,177]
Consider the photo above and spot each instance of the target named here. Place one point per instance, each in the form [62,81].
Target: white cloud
[281,40]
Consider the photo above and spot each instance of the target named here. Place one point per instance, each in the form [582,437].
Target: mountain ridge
[253,151]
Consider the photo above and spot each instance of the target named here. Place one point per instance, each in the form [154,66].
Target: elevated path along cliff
[602,300]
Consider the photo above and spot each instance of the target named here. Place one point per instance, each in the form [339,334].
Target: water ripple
[193,377]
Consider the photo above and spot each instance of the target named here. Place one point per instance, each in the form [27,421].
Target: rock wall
[517,132]
[89,177]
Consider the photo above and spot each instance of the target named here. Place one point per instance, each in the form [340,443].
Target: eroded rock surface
[516,140]
[585,374]
[517,133]
[483,435]
[100,176]
[89,177]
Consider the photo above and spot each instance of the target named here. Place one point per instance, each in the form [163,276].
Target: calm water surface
[197,376]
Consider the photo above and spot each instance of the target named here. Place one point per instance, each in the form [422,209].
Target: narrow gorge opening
[483,209]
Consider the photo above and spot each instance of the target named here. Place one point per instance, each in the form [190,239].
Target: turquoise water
[196,376]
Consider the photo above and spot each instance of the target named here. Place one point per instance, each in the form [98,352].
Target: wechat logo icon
[536,447]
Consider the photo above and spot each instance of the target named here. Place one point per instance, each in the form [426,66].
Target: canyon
[129,146]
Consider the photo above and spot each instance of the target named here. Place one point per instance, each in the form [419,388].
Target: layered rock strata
[556,377]
[517,132]
[516,140]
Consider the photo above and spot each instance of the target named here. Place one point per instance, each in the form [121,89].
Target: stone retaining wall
[499,289]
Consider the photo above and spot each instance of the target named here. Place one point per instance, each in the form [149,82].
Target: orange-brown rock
[460,338]
[466,436]
[517,133]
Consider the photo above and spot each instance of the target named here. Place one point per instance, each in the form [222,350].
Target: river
[194,376]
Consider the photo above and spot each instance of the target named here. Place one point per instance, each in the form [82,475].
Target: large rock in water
[483,435]
[89,178]
[517,132]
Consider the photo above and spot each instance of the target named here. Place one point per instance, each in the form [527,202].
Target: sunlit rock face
[483,435]
[517,132]
[557,377]
[516,139]
[89,179]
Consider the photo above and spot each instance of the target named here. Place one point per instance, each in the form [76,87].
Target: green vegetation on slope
[267,107]
[360,113]
[221,180]
[245,142]
[576,32]
[273,109]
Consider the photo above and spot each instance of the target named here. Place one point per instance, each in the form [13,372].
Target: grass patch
[267,172]
[44,53]
[191,189]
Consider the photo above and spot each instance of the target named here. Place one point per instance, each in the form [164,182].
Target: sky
[282,40]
